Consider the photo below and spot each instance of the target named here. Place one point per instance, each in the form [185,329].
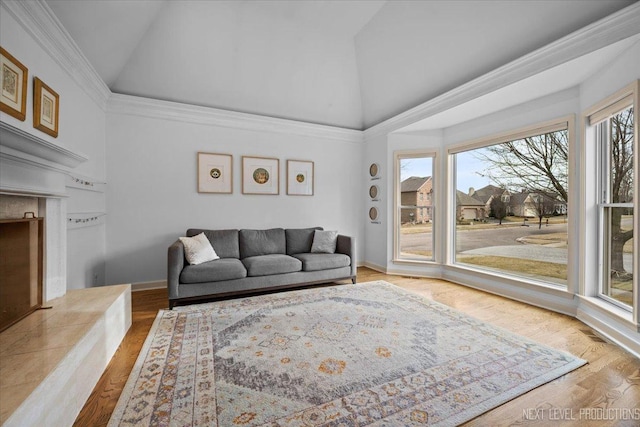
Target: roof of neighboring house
[485,193]
[519,198]
[413,184]
[463,199]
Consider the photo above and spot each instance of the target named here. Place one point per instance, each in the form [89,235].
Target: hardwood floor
[604,392]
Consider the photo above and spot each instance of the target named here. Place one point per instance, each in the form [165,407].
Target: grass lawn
[517,265]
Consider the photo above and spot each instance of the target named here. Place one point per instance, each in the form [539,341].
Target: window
[511,198]
[616,186]
[414,213]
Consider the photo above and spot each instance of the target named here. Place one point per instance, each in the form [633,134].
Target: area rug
[347,355]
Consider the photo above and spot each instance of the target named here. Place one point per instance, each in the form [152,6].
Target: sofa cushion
[315,262]
[224,242]
[213,271]
[198,249]
[266,265]
[324,242]
[262,242]
[299,240]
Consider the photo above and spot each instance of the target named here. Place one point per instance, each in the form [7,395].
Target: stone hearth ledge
[51,360]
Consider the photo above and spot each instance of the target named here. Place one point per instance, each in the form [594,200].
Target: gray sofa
[257,260]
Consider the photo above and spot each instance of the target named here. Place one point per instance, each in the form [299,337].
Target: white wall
[81,130]
[152,191]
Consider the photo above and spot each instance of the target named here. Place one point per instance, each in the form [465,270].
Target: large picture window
[616,146]
[414,216]
[511,204]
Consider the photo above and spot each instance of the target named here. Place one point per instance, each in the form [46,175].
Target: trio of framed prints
[260,175]
[13,96]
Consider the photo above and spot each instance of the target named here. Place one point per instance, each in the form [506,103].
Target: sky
[468,167]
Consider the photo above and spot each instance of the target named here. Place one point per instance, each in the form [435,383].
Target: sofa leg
[353,280]
[171,304]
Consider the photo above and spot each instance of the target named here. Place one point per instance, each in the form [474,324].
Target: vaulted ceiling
[350,64]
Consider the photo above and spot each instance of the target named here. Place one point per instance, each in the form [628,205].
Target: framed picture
[46,108]
[374,170]
[215,173]
[13,98]
[373,192]
[299,178]
[260,175]
[373,214]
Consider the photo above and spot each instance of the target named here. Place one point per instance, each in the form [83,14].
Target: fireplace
[21,268]
[33,178]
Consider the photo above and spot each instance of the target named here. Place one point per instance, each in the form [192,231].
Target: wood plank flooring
[597,394]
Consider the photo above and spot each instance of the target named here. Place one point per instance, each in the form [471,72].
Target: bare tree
[544,205]
[538,162]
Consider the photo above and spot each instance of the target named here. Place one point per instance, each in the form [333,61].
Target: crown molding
[41,23]
[613,28]
[167,110]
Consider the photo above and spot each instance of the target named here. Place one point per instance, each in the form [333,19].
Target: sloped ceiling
[350,64]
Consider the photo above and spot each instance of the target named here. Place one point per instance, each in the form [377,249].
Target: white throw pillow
[324,242]
[198,249]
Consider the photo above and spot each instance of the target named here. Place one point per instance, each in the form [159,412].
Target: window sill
[520,280]
[609,309]
[413,262]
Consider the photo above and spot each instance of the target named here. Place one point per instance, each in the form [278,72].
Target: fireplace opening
[21,268]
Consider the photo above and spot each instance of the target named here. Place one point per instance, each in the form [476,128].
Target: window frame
[398,156]
[561,123]
[599,121]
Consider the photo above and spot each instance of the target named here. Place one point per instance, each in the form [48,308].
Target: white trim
[39,20]
[167,110]
[611,29]
[143,286]
[548,126]
[24,142]
[374,267]
[547,297]
[616,327]
[629,90]
[397,201]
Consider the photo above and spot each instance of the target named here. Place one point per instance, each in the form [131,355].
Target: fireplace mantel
[32,165]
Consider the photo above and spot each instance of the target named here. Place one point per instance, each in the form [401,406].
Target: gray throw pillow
[324,242]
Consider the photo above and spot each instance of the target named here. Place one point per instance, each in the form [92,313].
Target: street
[469,239]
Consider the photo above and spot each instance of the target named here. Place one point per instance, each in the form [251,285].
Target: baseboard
[619,331]
[143,286]
[373,266]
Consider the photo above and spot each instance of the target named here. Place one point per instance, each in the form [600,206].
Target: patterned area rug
[348,355]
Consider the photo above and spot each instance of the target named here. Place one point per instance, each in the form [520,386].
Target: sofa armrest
[175,264]
[347,245]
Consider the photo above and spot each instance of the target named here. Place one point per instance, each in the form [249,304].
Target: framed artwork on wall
[46,108]
[215,173]
[374,171]
[260,175]
[13,98]
[300,178]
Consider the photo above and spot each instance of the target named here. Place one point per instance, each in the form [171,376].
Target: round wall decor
[374,170]
[373,214]
[373,191]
